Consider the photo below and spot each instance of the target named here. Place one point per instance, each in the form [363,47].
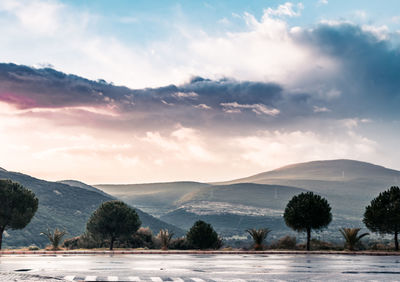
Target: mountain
[259,200]
[65,207]
[350,185]
[231,209]
[76,183]
[154,198]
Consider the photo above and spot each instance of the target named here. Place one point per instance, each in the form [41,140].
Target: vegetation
[18,206]
[165,238]
[306,212]
[258,235]
[351,236]
[203,236]
[286,243]
[383,214]
[112,220]
[55,237]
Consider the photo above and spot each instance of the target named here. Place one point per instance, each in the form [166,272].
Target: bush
[33,248]
[203,236]
[164,237]
[286,243]
[71,243]
[258,235]
[90,241]
[54,237]
[179,244]
[143,238]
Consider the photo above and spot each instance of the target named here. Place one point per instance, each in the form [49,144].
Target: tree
[17,206]
[258,236]
[306,212]
[351,236]
[54,237]
[383,214]
[112,220]
[203,236]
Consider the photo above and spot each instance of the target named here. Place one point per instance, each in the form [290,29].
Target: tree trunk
[1,235]
[396,241]
[112,243]
[308,238]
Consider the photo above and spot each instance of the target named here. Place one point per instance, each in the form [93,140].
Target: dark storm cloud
[367,82]
[370,72]
[27,87]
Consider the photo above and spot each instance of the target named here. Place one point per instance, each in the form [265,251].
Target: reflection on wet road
[205,267]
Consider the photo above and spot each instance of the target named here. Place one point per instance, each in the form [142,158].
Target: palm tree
[351,236]
[165,237]
[258,236]
[55,237]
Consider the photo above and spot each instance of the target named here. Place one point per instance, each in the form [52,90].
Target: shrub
[71,243]
[179,244]
[33,248]
[143,238]
[258,236]
[203,236]
[54,237]
[352,238]
[286,243]
[164,236]
[90,241]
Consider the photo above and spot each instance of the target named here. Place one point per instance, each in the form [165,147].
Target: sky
[154,91]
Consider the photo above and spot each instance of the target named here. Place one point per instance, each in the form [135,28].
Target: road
[198,268]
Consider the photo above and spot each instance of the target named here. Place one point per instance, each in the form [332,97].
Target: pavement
[198,267]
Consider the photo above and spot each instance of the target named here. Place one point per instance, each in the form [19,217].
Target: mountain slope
[154,198]
[330,170]
[65,207]
[348,185]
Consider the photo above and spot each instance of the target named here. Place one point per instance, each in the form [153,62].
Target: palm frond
[351,236]
[258,236]
[54,237]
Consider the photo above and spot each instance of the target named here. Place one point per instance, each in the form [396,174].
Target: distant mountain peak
[324,170]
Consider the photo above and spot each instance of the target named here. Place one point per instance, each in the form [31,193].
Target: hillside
[348,185]
[154,198]
[65,207]
[329,170]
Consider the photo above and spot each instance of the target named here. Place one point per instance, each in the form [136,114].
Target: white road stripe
[156,279]
[134,278]
[90,278]
[197,280]
[69,277]
[112,278]
[177,279]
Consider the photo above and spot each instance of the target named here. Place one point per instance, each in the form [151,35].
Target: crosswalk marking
[137,279]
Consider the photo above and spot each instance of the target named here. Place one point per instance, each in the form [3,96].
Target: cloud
[321,109]
[288,9]
[257,108]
